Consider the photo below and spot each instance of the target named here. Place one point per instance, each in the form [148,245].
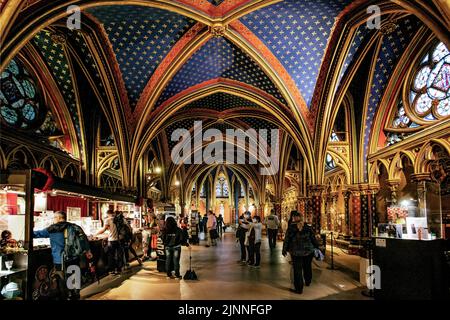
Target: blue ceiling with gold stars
[220,101]
[361,36]
[297,32]
[219,58]
[141,37]
[392,48]
[54,55]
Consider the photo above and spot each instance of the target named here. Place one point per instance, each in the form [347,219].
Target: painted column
[355,211]
[373,208]
[365,216]
[237,190]
[208,197]
[347,231]
[314,209]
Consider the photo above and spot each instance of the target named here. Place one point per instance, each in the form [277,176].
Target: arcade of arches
[363,113]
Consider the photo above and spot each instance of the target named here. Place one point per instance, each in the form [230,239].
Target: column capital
[420,177]
[393,183]
[316,189]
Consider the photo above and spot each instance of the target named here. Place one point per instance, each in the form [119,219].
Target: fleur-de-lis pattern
[220,102]
[392,47]
[141,37]
[297,32]
[219,58]
[55,57]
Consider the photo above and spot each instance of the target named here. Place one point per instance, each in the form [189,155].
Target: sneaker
[207,246]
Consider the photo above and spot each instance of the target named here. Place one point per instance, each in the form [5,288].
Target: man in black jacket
[300,242]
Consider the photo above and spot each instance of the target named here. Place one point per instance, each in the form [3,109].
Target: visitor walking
[68,244]
[211,226]
[220,225]
[173,238]
[300,242]
[126,238]
[255,232]
[115,252]
[272,223]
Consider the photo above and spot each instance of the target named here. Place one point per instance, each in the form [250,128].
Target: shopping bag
[201,236]
[154,241]
[318,255]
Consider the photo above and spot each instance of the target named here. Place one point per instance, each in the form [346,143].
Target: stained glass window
[221,187]
[429,96]
[20,102]
[202,191]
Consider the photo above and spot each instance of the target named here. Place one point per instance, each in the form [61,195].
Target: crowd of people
[69,244]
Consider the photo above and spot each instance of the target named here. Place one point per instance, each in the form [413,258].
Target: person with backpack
[68,244]
[272,223]
[300,242]
[173,238]
[115,252]
[126,238]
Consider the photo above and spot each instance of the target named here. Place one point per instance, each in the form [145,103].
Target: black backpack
[123,229]
[75,242]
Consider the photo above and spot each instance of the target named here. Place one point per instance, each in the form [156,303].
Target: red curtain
[11,201]
[60,203]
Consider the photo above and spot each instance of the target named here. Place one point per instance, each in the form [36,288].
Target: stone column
[421,179]
[365,216]
[373,190]
[355,200]
[347,212]
[315,191]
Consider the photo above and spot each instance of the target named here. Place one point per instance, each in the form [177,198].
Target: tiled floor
[221,278]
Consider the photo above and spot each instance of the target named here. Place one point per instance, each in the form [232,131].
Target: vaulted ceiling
[156,65]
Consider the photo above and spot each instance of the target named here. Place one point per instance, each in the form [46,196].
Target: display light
[177,183]
[158,170]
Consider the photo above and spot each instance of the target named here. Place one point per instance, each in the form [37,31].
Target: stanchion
[332,267]
[369,292]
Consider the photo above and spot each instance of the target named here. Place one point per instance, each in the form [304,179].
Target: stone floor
[221,278]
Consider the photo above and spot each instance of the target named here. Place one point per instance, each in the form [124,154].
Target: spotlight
[158,170]
[177,183]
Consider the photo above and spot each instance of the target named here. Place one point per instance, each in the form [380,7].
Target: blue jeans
[173,255]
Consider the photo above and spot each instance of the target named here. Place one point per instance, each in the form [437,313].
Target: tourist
[220,225]
[173,239]
[255,233]
[241,235]
[272,223]
[126,238]
[115,261]
[247,234]
[300,243]
[211,227]
[68,244]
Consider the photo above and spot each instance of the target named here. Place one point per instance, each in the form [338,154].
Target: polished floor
[222,278]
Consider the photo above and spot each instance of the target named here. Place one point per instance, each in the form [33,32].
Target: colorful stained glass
[443,109]
[433,77]
[421,79]
[19,99]
[423,104]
